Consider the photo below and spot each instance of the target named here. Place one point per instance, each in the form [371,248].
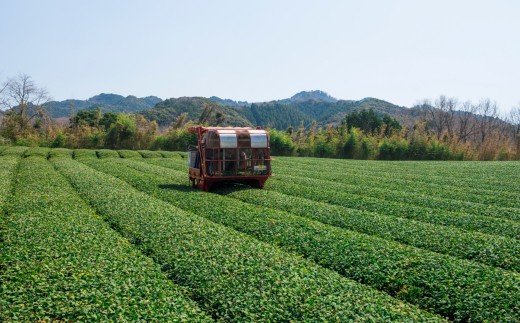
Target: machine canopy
[237,138]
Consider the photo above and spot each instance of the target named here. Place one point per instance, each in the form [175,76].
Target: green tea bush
[14,151]
[107,153]
[393,192]
[451,287]
[7,173]
[482,179]
[170,154]
[487,249]
[342,197]
[306,188]
[129,154]
[401,181]
[61,261]
[150,154]
[79,153]
[233,276]
[37,151]
[60,152]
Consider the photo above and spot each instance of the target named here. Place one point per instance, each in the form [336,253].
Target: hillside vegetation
[105,102]
[310,123]
[196,109]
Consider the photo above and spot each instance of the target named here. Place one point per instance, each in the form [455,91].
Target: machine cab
[229,154]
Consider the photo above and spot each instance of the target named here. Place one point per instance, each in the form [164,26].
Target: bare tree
[448,113]
[3,99]
[514,117]
[441,115]
[466,125]
[488,113]
[24,101]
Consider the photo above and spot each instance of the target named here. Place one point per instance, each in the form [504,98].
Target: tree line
[445,130]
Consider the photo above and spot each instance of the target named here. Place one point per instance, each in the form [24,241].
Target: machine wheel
[205,185]
[258,184]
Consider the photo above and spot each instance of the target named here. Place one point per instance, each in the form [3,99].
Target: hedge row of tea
[449,182]
[61,261]
[232,276]
[326,240]
[306,188]
[449,286]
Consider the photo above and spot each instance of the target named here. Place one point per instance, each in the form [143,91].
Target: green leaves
[129,154]
[150,154]
[313,246]
[61,261]
[231,275]
[446,285]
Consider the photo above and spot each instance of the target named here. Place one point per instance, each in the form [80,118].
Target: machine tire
[257,184]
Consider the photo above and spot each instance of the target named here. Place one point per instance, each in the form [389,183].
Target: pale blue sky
[400,51]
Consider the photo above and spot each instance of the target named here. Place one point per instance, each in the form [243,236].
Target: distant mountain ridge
[315,95]
[301,109]
[107,102]
[167,111]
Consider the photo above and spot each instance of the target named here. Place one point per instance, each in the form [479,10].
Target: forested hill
[197,109]
[302,108]
[106,102]
[282,114]
[308,106]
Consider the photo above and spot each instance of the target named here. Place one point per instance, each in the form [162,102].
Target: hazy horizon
[399,51]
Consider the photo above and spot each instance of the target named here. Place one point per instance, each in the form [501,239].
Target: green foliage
[121,133]
[37,151]
[237,277]
[129,154]
[275,115]
[107,153]
[166,112]
[487,293]
[488,249]
[27,142]
[89,118]
[59,140]
[176,140]
[398,203]
[60,152]
[443,236]
[393,148]
[437,151]
[350,145]
[7,173]
[281,143]
[61,261]
[79,153]
[171,154]
[150,154]
[104,102]
[372,123]
[108,120]
[14,151]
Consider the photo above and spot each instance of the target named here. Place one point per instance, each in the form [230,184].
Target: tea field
[90,235]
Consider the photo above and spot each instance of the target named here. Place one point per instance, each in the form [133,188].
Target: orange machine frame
[253,170]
